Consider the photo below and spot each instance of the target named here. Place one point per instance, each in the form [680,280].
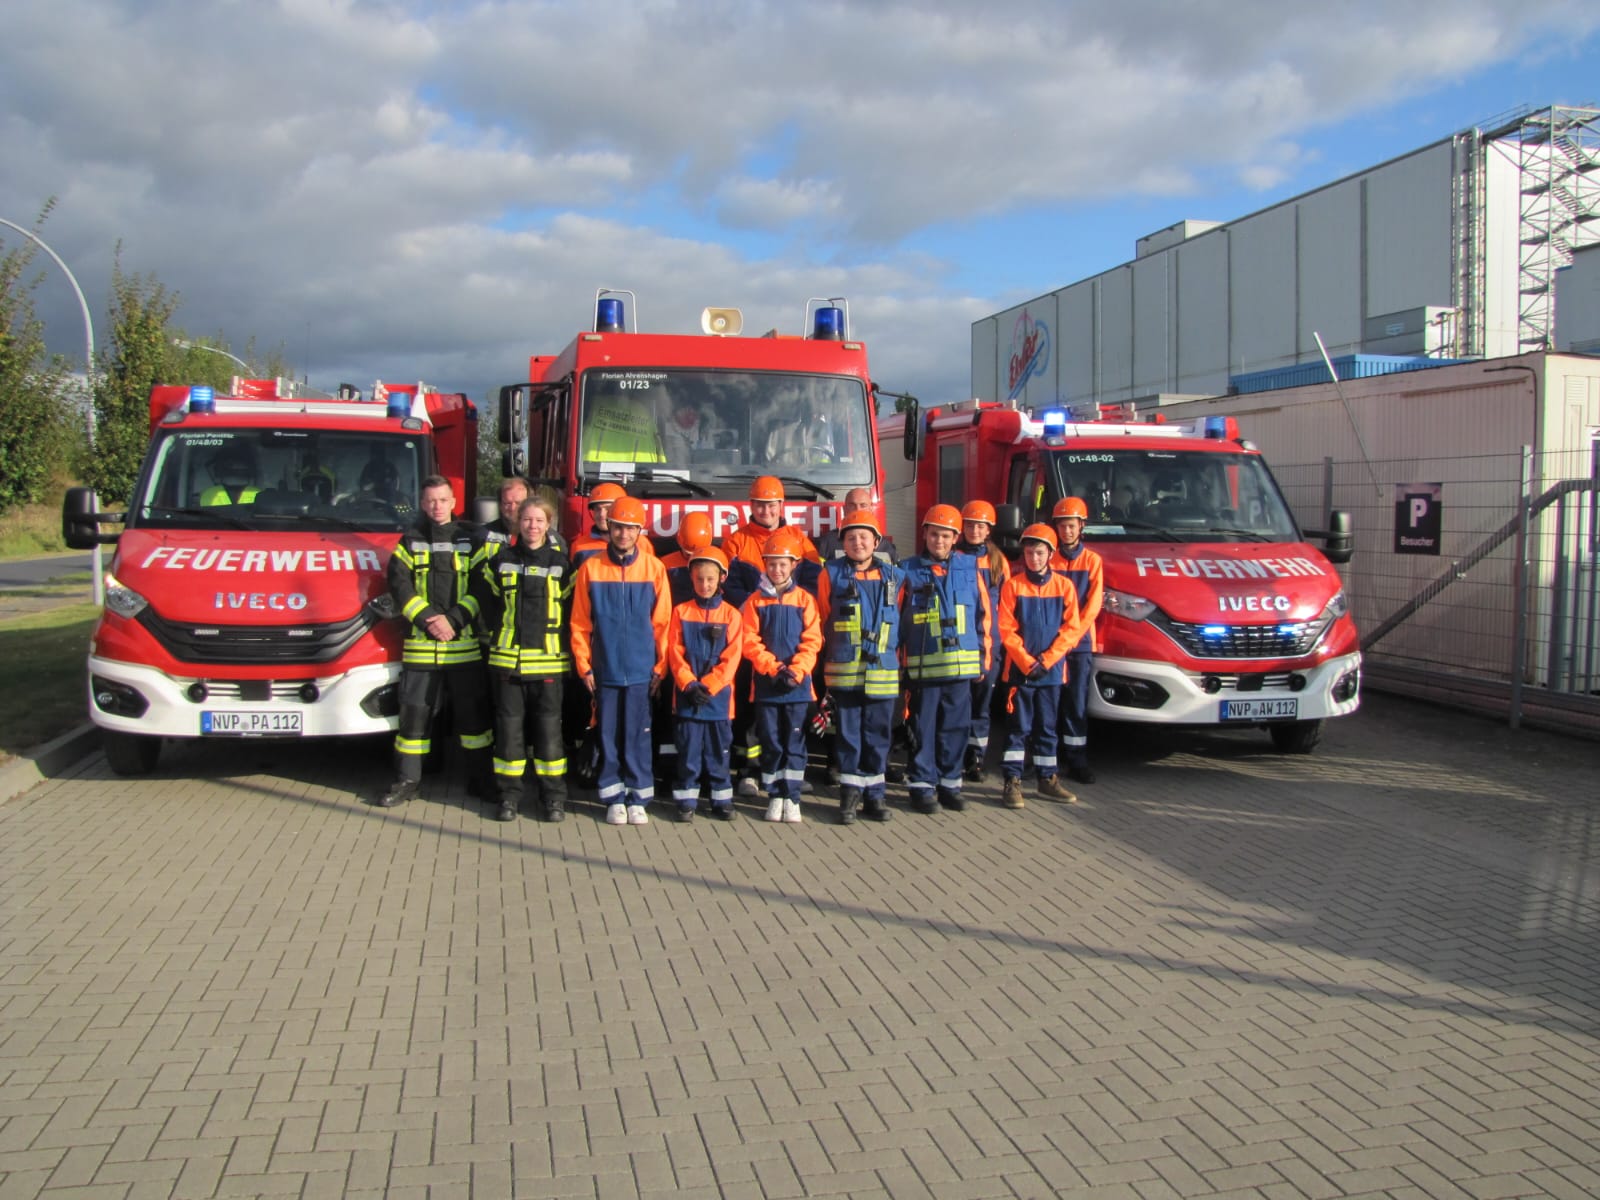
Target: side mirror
[81,518]
[1340,546]
[512,426]
[514,460]
[485,509]
[912,444]
[1007,532]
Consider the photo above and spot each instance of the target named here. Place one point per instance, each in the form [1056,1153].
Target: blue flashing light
[608,316]
[1289,630]
[1216,427]
[1214,630]
[202,399]
[828,325]
[399,404]
[1054,418]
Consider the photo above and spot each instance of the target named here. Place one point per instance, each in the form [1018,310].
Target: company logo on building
[1030,353]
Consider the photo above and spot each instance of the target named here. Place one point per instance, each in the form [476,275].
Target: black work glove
[697,694]
[787,679]
[1038,671]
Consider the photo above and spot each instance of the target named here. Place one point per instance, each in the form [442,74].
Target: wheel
[130,753]
[1296,737]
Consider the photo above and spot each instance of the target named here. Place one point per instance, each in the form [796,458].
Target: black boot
[876,810]
[399,792]
[849,802]
[972,769]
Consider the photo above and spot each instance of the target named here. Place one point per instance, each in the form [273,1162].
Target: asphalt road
[27,572]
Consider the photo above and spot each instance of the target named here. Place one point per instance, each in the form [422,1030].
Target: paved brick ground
[1375,970]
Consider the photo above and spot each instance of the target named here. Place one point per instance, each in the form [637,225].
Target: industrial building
[1454,251]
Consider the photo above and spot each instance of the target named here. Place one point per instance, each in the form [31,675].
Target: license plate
[252,723]
[1260,710]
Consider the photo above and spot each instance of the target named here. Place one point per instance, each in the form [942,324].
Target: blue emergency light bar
[399,404]
[1054,421]
[608,315]
[202,399]
[828,325]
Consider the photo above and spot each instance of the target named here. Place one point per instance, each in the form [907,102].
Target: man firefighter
[1082,566]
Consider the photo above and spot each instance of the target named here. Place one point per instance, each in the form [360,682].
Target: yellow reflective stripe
[417,746]
[554,766]
[412,607]
[476,741]
[513,768]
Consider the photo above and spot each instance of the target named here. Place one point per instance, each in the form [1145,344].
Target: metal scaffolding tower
[1557,155]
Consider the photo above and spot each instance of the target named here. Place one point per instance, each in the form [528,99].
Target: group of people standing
[711,660]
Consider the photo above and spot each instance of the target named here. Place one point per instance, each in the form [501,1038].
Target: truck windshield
[1175,495]
[716,430]
[220,478]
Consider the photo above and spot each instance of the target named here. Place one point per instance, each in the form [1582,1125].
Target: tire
[130,753]
[1296,737]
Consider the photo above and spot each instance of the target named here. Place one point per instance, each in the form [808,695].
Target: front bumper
[147,701]
[1184,699]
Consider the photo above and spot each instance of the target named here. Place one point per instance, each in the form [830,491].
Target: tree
[137,358]
[36,432]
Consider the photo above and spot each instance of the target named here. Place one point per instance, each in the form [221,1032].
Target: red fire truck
[1216,612]
[246,597]
[686,421]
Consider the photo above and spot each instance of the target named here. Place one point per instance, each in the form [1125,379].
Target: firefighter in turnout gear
[429,578]
[523,595]
[620,613]
[946,632]
[1038,624]
[1083,568]
[857,596]
[977,520]
[705,644]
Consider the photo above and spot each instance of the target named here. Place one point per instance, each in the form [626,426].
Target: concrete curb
[47,761]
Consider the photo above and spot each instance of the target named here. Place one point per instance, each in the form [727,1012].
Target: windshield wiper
[649,485]
[816,489]
[1248,534]
[1129,523]
[219,512]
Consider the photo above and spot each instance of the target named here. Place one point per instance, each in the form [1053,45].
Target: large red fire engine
[1216,612]
[247,595]
[685,422]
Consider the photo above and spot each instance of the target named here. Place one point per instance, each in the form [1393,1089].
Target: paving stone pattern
[1371,971]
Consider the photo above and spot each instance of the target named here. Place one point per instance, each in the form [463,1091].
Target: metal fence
[1506,617]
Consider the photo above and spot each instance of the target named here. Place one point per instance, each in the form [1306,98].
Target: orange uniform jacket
[613,604]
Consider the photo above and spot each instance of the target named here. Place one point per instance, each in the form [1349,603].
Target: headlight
[1124,604]
[123,601]
[1337,607]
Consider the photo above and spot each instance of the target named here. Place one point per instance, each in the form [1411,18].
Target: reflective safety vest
[430,574]
[217,495]
[621,431]
[942,620]
[530,589]
[861,628]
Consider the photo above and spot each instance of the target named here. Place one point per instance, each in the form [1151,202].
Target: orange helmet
[943,516]
[606,493]
[766,487]
[783,542]
[978,510]
[627,511]
[694,534]
[1069,506]
[862,519]
[1040,533]
[709,553]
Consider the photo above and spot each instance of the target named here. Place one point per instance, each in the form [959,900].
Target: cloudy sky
[435,190]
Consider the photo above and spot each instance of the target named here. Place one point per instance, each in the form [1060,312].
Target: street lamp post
[88,369]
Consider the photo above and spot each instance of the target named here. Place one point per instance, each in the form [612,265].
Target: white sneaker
[775,809]
[616,814]
[637,815]
[791,811]
[748,788]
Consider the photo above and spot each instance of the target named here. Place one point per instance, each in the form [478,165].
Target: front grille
[249,644]
[278,690]
[1287,639]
